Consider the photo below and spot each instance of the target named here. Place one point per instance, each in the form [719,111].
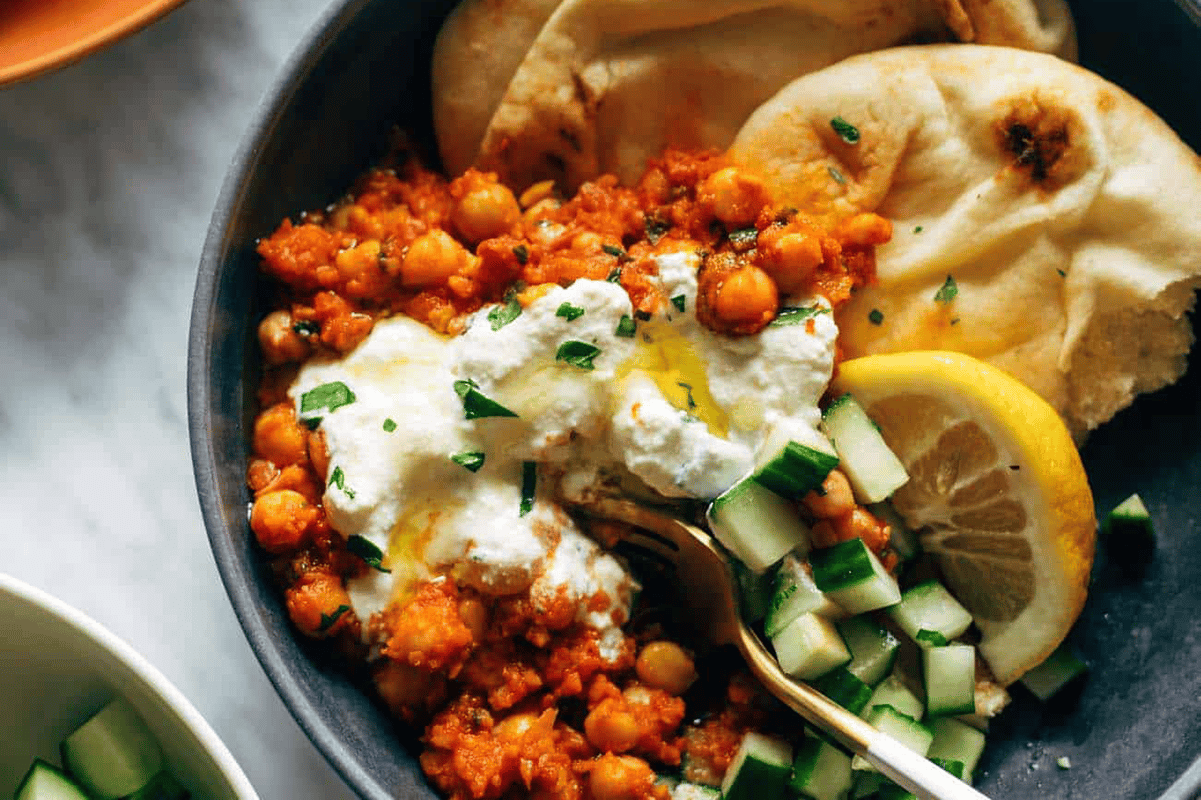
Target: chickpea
[792,259]
[664,665]
[281,520]
[862,524]
[538,191]
[488,210]
[835,499]
[432,259]
[748,295]
[403,687]
[315,604]
[279,342]
[866,230]
[474,616]
[610,726]
[279,437]
[620,778]
[734,197]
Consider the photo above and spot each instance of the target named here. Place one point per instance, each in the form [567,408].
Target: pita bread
[607,84]
[1064,211]
[476,53]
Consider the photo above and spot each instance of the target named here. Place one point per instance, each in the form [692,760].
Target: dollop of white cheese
[680,407]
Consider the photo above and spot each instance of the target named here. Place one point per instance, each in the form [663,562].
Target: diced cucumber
[793,465]
[867,784]
[44,781]
[844,688]
[902,538]
[930,607]
[892,691]
[851,575]
[821,771]
[873,648]
[873,470]
[1129,516]
[162,786]
[759,770]
[949,676]
[1059,669]
[890,791]
[755,592]
[694,791]
[113,754]
[951,766]
[809,647]
[902,727]
[793,594]
[956,741]
[757,525]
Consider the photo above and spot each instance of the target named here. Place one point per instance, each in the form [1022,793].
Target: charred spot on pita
[1041,140]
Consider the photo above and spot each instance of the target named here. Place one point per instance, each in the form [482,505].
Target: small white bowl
[58,666]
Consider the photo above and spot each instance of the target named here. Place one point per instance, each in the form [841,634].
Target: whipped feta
[590,388]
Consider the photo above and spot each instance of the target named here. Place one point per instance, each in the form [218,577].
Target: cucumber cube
[841,686]
[930,607]
[949,675]
[792,468]
[873,470]
[821,771]
[754,592]
[113,754]
[892,691]
[851,575]
[809,647]
[757,525]
[793,594]
[873,648]
[956,741]
[44,781]
[760,768]
[1058,670]
[902,727]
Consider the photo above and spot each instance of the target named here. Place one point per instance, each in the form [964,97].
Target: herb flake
[470,461]
[680,302]
[614,276]
[845,130]
[522,254]
[577,354]
[529,485]
[367,550]
[795,315]
[502,315]
[337,478]
[475,404]
[655,228]
[617,252]
[744,238]
[328,396]
[329,620]
[947,292]
[876,316]
[626,327]
[836,175]
[569,312]
[389,425]
[307,327]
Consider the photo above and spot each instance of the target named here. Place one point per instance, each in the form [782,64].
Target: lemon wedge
[996,489]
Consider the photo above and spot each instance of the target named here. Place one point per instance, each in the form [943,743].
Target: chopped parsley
[680,302]
[529,484]
[522,253]
[876,316]
[626,327]
[836,175]
[794,315]
[687,387]
[918,229]
[744,238]
[639,314]
[366,549]
[1062,274]
[569,312]
[338,478]
[614,276]
[948,292]
[329,620]
[845,130]
[470,461]
[475,404]
[655,228]
[577,354]
[617,252]
[389,425]
[307,327]
[502,315]
[326,397]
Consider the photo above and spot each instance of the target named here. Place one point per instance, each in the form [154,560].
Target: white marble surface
[108,174]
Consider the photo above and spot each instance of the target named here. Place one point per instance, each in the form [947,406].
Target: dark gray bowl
[1130,730]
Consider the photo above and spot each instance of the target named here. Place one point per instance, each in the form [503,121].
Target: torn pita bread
[1059,211]
[607,84]
[477,51]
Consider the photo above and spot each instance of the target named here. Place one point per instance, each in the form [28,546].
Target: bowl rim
[267,114]
[143,671]
[80,48]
